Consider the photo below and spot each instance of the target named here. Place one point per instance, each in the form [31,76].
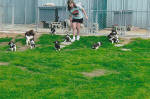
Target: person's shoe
[78,38]
[73,39]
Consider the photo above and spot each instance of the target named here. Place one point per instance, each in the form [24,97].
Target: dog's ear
[27,32]
[31,31]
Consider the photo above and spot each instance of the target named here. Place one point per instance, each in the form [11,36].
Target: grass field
[43,73]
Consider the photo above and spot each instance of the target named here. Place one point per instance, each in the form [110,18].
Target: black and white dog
[12,46]
[53,29]
[29,35]
[57,45]
[67,38]
[32,43]
[97,45]
[113,37]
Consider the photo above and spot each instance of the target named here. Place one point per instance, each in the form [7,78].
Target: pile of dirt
[64,44]
[126,41]
[4,63]
[98,73]
[124,49]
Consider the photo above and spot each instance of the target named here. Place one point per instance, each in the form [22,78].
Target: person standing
[76,17]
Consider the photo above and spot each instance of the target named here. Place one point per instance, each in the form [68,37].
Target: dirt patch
[124,49]
[64,44]
[26,69]
[37,36]
[3,43]
[3,64]
[25,47]
[98,73]
[22,48]
[125,41]
[119,45]
[17,35]
[13,35]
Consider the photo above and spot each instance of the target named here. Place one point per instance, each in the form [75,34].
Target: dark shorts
[77,20]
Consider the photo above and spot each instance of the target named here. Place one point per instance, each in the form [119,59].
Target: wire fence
[130,18]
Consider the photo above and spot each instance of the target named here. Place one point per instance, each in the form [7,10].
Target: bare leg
[78,28]
[78,31]
[74,27]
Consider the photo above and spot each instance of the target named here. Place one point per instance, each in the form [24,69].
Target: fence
[17,15]
[130,17]
[48,14]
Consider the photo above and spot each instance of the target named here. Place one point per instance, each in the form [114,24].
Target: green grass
[21,40]
[5,39]
[43,73]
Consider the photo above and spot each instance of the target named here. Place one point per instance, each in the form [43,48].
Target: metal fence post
[148,16]
[13,15]
[37,15]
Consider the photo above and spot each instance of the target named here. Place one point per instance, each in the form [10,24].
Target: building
[18,11]
[103,12]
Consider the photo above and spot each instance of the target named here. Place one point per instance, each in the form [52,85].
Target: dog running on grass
[53,29]
[67,38]
[12,46]
[113,37]
[57,45]
[97,45]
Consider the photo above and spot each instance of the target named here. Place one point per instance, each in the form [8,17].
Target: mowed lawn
[43,73]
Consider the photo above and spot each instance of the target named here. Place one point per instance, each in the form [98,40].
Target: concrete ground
[6,30]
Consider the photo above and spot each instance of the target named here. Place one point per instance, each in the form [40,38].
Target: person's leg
[78,30]
[74,27]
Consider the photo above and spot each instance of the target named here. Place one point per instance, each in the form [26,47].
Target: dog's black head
[11,44]
[57,45]
[114,32]
[67,35]
[56,42]
[67,38]
[98,44]
[30,33]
